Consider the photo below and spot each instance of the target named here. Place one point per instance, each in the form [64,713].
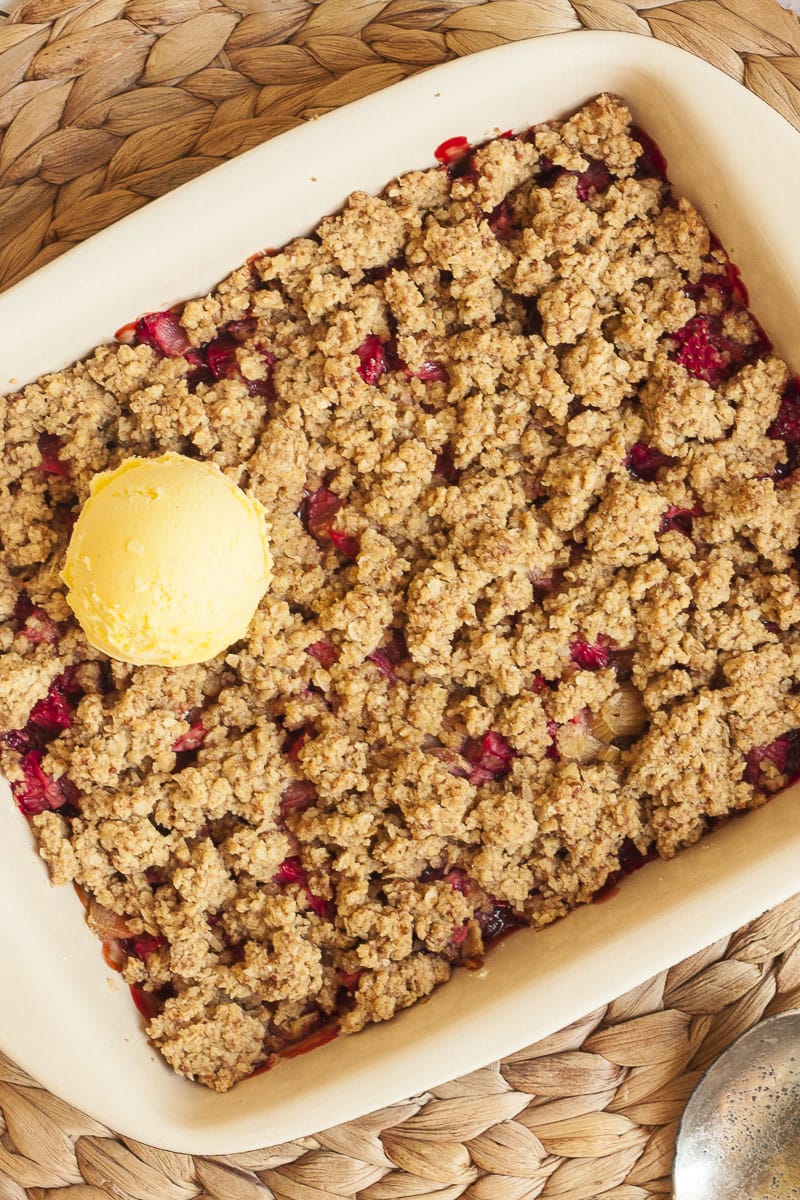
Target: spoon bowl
[740,1132]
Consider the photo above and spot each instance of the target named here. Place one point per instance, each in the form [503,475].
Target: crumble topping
[530,468]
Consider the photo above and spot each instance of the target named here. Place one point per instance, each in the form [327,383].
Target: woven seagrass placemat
[107,104]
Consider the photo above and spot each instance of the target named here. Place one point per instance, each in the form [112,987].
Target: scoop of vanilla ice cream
[167,562]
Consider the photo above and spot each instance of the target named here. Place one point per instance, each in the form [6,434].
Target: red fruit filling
[700,349]
[552,732]
[651,163]
[319,509]
[445,466]
[347,545]
[455,154]
[389,656]
[50,448]
[783,753]
[644,462]
[630,860]
[499,920]
[786,426]
[37,791]
[298,795]
[324,652]
[680,519]
[295,742]
[291,871]
[372,356]
[33,622]
[163,332]
[140,947]
[591,182]
[192,739]
[220,355]
[451,150]
[501,221]
[53,713]
[491,757]
[591,656]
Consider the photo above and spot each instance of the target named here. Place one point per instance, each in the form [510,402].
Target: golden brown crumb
[534,605]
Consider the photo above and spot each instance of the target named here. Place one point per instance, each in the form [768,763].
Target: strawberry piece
[389,656]
[38,791]
[324,652]
[347,545]
[163,332]
[590,656]
[591,182]
[680,519]
[491,757]
[50,447]
[372,356]
[298,796]
[319,509]
[644,462]
[348,979]
[192,739]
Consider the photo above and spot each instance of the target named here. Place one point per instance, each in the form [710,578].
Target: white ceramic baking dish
[66,1018]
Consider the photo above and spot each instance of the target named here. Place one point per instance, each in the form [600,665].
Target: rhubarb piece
[192,739]
[162,332]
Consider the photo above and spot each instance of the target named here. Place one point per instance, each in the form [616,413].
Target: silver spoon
[739,1138]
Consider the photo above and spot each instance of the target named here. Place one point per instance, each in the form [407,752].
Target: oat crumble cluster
[529,466]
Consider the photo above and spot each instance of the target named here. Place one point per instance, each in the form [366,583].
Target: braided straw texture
[108,104]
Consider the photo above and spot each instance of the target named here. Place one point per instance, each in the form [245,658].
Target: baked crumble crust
[534,603]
